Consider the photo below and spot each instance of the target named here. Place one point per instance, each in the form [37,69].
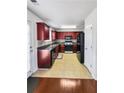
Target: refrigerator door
[82,47]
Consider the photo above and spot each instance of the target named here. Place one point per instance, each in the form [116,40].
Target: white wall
[91,22]
[32,18]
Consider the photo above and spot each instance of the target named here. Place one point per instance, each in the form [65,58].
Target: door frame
[89,48]
[30,48]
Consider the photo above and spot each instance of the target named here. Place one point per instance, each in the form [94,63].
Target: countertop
[52,46]
[49,47]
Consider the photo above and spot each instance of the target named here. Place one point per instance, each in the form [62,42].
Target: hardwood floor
[61,85]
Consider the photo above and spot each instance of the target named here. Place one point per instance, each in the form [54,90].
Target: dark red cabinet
[42,31]
[61,35]
[74,48]
[46,32]
[44,59]
[47,57]
[62,48]
[57,51]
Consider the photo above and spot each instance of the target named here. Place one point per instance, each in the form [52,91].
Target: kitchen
[63,51]
[62,42]
[102,25]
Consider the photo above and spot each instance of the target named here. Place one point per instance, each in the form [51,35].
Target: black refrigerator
[80,45]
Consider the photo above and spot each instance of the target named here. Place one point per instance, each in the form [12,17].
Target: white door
[88,48]
[29,49]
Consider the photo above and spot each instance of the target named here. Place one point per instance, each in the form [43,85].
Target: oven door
[68,47]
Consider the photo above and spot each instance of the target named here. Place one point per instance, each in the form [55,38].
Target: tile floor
[67,67]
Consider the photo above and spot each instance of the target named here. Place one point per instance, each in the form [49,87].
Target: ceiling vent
[34,1]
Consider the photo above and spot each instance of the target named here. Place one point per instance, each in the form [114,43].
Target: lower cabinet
[47,57]
[62,48]
[74,48]
[56,51]
[44,59]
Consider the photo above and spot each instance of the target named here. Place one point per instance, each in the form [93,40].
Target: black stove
[68,45]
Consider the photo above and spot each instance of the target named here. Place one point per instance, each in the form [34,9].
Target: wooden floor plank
[61,85]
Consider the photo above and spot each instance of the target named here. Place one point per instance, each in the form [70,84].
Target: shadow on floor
[32,83]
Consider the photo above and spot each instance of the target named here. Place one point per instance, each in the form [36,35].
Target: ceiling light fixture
[68,26]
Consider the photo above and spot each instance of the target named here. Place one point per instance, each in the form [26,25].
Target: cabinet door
[76,34]
[62,48]
[44,58]
[57,50]
[40,31]
[74,48]
[46,33]
[54,35]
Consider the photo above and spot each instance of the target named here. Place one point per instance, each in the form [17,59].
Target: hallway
[67,67]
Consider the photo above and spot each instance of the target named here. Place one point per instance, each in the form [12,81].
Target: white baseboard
[43,68]
[29,73]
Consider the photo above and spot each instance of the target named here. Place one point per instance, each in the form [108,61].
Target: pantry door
[89,48]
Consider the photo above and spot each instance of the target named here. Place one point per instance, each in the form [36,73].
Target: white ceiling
[63,12]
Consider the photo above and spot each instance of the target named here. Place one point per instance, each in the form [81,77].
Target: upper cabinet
[53,35]
[61,35]
[42,31]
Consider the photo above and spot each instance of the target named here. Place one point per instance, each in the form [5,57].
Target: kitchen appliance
[68,38]
[80,43]
[68,43]
[68,46]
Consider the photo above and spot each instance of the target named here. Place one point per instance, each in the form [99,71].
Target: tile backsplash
[43,43]
[47,42]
